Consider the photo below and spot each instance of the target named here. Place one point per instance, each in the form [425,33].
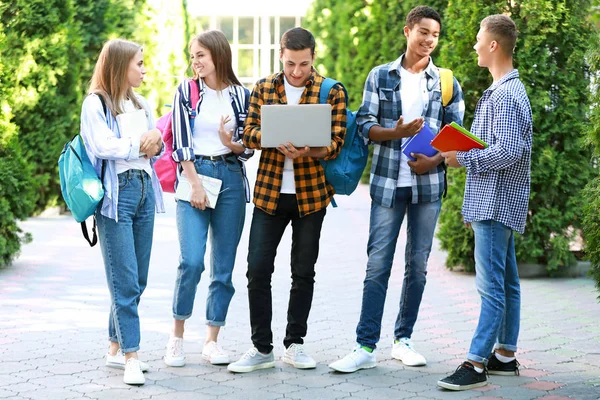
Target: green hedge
[353,36]
[591,194]
[553,40]
[48,50]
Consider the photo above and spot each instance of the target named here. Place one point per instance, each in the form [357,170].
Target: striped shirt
[498,177]
[183,142]
[313,193]
[382,106]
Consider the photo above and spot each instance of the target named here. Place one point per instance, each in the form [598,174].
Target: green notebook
[469,134]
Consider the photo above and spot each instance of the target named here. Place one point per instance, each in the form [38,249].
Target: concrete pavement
[54,312]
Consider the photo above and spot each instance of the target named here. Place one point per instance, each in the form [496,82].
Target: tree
[550,57]
[41,48]
[591,194]
[354,36]
[164,50]
[16,190]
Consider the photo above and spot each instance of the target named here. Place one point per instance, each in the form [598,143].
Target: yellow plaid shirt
[313,193]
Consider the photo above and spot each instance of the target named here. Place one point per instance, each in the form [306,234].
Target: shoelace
[250,353]
[463,370]
[176,348]
[297,348]
[408,345]
[219,349]
[132,363]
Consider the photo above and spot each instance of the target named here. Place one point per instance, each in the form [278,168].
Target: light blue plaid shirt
[498,177]
[382,106]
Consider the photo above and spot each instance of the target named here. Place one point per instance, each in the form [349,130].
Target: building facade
[253,30]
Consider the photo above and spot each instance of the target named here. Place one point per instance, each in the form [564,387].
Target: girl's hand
[198,198]
[223,134]
[151,142]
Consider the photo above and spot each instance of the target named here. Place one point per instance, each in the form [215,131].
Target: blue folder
[420,143]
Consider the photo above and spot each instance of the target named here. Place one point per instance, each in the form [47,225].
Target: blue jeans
[384,230]
[497,281]
[225,223]
[265,234]
[126,246]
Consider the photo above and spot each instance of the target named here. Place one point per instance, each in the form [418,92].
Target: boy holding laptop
[290,187]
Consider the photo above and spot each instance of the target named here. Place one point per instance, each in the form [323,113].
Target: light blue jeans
[384,230]
[225,223]
[126,247]
[497,281]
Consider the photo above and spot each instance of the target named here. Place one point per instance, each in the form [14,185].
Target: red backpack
[165,166]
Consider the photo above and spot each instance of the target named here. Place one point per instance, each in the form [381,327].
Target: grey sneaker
[296,357]
[252,360]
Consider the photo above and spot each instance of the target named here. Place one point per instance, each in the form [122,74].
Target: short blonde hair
[110,74]
[503,30]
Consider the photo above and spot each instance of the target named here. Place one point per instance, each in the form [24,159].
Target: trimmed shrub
[550,54]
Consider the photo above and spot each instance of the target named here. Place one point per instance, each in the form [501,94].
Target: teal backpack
[79,184]
[344,172]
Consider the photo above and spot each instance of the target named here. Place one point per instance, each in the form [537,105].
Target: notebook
[455,137]
[212,187]
[420,143]
[301,124]
[132,123]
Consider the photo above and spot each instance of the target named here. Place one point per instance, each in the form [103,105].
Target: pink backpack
[165,166]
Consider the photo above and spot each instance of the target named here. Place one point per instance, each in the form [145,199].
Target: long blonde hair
[216,42]
[110,74]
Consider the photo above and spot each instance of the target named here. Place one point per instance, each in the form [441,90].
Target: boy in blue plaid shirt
[495,204]
[399,97]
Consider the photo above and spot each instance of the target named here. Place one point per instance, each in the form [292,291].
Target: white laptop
[301,124]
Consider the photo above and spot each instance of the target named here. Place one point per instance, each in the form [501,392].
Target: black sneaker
[464,378]
[497,367]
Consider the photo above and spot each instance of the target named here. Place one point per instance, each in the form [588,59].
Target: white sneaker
[175,357]
[296,357]
[118,361]
[133,373]
[358,359]
[252,360]
[215,354]
[404,351]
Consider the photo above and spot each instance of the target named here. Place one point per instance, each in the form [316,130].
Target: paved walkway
[54,312]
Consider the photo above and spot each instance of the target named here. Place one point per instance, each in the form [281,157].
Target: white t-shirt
[140,163]
[206,139]
[412,90]
[288,185]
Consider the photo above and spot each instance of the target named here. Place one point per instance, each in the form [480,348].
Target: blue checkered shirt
[498,178]
[382,106]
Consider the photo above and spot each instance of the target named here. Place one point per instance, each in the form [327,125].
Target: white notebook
[132,123]
[212,187]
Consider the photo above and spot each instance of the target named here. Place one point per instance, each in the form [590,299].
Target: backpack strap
[446,85]
[84,230]
[194,99]
[447,88]
[326,86]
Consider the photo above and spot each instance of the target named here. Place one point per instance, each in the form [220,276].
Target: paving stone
[111,394]
[4,393]
[312,394]
[51,394]
[186,383]
[7,380]
[54,335]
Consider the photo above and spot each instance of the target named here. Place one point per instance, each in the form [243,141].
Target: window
[254,42]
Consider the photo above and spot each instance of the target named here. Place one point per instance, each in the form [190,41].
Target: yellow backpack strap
[447,85]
